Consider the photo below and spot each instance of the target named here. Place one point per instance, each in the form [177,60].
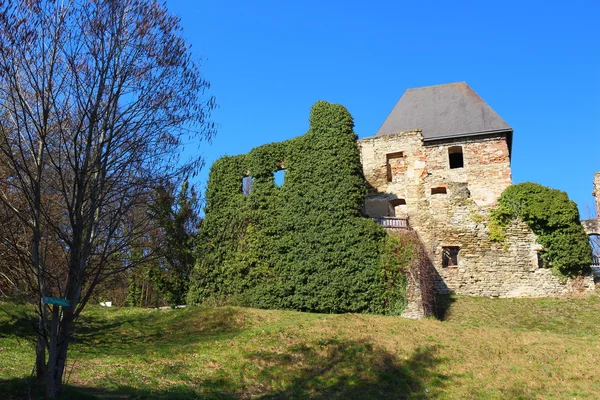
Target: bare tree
[97,98]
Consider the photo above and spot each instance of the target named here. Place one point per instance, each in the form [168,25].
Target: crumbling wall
[487,268]
[421,278]
[456,214]
[592,225]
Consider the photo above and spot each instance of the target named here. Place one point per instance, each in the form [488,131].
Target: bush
[553,218]
[303,246]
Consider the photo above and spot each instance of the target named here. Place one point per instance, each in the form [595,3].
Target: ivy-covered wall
[554,218]
[304,245]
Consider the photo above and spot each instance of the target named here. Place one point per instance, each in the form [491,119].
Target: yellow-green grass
[483,349]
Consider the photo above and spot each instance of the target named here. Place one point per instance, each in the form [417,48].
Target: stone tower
[437,166]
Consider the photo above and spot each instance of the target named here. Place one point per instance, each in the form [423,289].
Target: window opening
[279,177]
[438,190]
[455,155]
[542,262]
[397,207]
[395,164]
[450,256]
[247,183]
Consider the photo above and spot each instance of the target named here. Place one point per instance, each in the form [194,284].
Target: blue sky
[537,64]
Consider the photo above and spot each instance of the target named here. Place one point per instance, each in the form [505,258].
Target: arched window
[455,156]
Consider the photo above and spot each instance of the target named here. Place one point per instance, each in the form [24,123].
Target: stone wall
[449,208]
[421,277]
[486,167]
[414,296]
[486,268]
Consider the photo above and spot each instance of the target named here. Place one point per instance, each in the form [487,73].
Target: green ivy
[398,255]
[305,245]
[553,218]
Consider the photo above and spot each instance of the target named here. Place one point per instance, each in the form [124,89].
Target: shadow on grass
[22,389]
[129,331]
[17,320]
[325,370]
[443,303]
[155,330]
[351,370]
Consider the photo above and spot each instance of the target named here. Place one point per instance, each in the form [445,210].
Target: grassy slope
[485,348]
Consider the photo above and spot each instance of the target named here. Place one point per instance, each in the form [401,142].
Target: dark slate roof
[443,111]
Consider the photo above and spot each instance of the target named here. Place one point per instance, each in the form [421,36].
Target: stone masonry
[442,159]
[449,209]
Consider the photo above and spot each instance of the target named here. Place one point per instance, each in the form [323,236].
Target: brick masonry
[420,173]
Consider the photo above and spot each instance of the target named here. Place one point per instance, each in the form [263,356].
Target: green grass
[483,349]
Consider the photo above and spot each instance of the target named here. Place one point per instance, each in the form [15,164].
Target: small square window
[450,256]
[455,155]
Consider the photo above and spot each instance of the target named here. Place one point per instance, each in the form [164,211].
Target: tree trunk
[52,388]
[40,354]
[57,353]
[61,329]
[40,348]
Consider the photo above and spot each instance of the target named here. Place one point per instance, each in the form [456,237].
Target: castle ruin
[438,165]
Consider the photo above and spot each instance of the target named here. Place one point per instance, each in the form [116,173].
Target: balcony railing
[393,222]
[595,261]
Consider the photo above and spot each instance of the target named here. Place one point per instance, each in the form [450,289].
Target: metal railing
[596,260]
[393,222]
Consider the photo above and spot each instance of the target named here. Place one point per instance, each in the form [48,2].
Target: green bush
[553,218]
[303,246]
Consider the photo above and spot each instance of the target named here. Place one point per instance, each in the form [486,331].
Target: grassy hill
[483,349]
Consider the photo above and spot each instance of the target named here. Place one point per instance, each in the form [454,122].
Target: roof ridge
[439,84]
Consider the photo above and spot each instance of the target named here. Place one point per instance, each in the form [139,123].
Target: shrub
[553,218]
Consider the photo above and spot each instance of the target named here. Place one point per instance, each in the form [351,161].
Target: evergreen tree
[174,219]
